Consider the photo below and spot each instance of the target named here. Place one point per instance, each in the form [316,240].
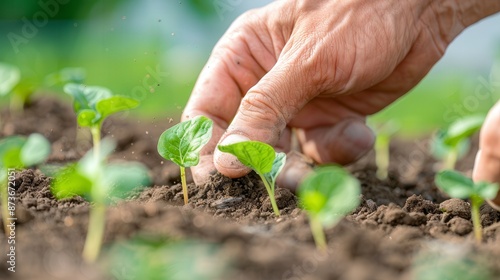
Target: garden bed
[399,231]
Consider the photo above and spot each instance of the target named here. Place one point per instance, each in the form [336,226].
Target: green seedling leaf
[455,184]
[115,104]
[9,78]
[19,151]
[69,182]
[440,150]
[329,194]
[254,154]
[487,190]
[463,128]
[94,104]
[86,97]
[278,164]
[10,150]
[35,150]
[121,178]
[183,142]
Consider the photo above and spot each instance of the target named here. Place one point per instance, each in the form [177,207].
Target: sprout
[453,142]
[182,144]
[263,160]
[101,184]
[93,104]
[19,152]
[457,185]
[328,195]
[384,133]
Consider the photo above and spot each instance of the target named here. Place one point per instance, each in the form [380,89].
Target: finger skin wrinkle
[256,106]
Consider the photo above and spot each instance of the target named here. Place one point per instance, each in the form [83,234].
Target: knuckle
[264,108]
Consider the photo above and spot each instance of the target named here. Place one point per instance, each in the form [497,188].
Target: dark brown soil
[403,229]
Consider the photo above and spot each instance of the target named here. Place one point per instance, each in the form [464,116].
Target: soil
[403,229]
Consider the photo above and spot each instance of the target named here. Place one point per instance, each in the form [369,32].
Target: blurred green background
[154,50]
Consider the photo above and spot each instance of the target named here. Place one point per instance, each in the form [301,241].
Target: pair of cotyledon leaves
[459,186]
[93,104]
[329,194]
[456,136]
[20,151]
[92,178]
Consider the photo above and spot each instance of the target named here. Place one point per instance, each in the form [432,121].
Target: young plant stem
[476,220]
[451,159]
[270,192]
[184,184]
[317,232]
[382,155]
[95,232]
[96,139]
[5,203]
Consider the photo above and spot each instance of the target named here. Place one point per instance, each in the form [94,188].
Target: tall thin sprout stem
[270,192]
[318,233]
[184,184]
[476,220]
[97,223]
[382,155]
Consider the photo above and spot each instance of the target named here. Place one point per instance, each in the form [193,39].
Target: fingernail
[360,137]
[234,138]
[228,164]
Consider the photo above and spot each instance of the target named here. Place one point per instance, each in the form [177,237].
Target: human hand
[487,165]
[320,67]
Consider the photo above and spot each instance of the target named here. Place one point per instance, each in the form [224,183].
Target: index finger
[236,64]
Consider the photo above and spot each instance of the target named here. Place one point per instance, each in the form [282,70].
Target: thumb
[264,113]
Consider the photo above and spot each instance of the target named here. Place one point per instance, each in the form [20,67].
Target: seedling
[101,184]
[328,194]
[182,144]
[21,90]
[261,158]
[18,152]
[384,132]
[93,104]
[457,185]
[451,143]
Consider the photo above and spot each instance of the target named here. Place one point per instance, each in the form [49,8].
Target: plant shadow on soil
[399,224]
